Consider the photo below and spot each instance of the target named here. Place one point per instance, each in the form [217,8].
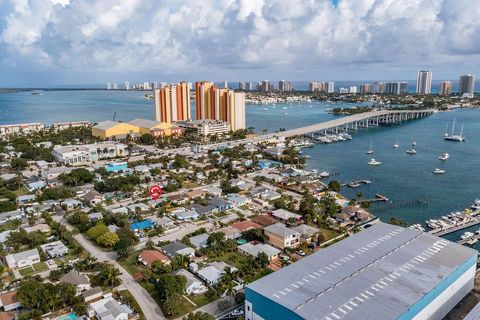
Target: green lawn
[40,266]
[185,307]
[328,233]
[21,192]
[130,263]
[26,271]
[260,274]
[232,258]
[220,214]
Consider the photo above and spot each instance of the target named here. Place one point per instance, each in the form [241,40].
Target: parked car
[301,253]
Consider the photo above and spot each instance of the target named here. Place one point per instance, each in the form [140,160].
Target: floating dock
[356,183]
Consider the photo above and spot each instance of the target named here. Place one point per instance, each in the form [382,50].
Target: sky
[75,42]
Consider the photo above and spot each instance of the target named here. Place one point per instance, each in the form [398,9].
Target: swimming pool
[139,225]
[70,316]
[241,241]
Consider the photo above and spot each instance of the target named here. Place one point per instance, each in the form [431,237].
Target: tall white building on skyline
[424,82]
[127,85]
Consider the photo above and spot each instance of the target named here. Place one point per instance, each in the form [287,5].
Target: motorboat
[396,144]
[444,156]
[452,136]
[370,151]
[467,235]
[476,205]
[438,171]
[324,174]
[411,151]
[374,162]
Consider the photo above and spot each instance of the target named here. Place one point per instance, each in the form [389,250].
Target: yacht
[438,171]
[476,205]
[467,235]
[444,156]
[374,162]
[454,137]
[417,227]
[432,223]
[324,174]
[370,151]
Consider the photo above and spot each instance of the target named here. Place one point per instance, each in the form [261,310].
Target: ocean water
[415,193]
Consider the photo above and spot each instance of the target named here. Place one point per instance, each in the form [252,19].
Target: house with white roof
[54,249]
[107,309]
[22,259]
[254,249]
[194,285]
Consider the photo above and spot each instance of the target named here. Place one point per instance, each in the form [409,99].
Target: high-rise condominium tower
[424,82]
[172,102]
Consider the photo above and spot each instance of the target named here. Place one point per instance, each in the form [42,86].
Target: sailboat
[396,144]
[455,137]
[370,151]
[412,149]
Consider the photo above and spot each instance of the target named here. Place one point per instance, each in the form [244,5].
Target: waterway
[415,193]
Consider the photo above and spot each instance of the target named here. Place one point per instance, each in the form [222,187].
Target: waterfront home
[306,232]
[194,286]
[9,301]
[178,248]
[285,215]
[342,218]
[254,248]
[148,257]
[22,259]
[79,280]
[199,241]
[220,203]
[107,309]
[237,200]
[54,249]
[282,237]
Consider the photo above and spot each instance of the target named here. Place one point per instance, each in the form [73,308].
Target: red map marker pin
[155,192]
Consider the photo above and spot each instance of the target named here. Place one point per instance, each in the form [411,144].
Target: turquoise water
[406,179]
[140,225]
[70,316]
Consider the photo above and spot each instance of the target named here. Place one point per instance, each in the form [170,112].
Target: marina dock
[457,227]
[356,184]
[470,240]
[378,198]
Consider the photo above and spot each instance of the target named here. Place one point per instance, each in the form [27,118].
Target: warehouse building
[384,272]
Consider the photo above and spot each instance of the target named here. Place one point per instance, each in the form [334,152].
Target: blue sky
[53,42]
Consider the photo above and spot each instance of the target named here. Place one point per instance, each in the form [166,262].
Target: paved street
[150,308]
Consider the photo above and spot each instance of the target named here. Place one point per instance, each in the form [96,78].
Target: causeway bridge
[352,122]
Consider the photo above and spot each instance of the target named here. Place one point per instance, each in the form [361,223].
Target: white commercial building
[205,127]
[76,155]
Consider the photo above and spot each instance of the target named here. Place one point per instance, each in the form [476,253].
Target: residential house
[230,232]
[54,249]
[220,203]
[42,227]
[164,222]
[194,285]
[79,280]
[93,198]
[22,259]
[92,294]
[254,249]
[199,241]
[282,237]
[285,215]
[107,309]
[10,215]
[178,248]
[237,200]
[245,225]
[71,204]
[35,185]
[213,190]
[95,216]
[306,232]
[9,301]
[140,207]
[184,214]
[213,272]
[148,257]
[204,210]
[178,199]
[26,199]
[264,220]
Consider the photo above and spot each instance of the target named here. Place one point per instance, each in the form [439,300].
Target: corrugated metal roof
[356,278]
[144,123]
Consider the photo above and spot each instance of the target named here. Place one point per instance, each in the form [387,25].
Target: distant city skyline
[64,42]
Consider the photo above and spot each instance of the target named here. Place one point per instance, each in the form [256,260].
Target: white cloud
[187,35]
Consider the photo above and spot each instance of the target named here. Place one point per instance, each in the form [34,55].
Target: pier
[378,198]
[356,184]
[457,227]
